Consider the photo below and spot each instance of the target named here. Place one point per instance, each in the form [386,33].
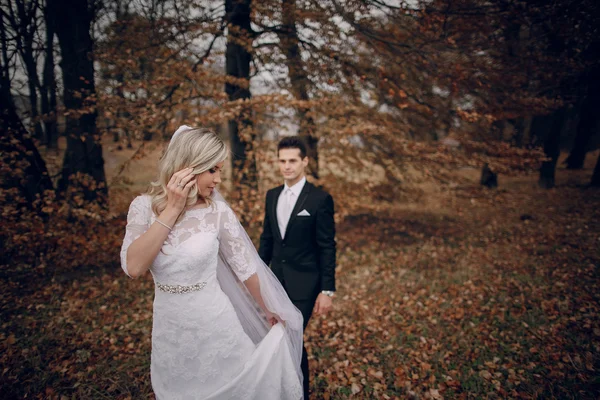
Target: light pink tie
[287,208]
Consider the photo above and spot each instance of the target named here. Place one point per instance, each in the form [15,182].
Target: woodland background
[459,139]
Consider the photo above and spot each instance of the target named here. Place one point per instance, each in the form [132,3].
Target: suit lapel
[276,194]
[301,199]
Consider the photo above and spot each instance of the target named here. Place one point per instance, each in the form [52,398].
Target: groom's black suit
[304,260]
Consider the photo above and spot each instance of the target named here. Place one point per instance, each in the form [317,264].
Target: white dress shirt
[285,204]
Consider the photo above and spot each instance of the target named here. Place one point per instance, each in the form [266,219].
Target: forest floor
[471,293]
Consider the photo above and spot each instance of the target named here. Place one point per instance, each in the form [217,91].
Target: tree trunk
[22,169]
[32,84]
[299,80]
[48,89]
[522,128]
[237,66]
[596,176]
[24,24]
[83,157]
[552,125]
[587,123]
[585,129]
[488,177]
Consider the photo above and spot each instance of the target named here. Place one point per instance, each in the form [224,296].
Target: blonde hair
[198,148]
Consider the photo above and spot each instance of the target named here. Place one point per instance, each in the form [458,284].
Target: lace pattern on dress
[233,247]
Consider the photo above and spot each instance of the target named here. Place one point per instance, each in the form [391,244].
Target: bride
[223,326]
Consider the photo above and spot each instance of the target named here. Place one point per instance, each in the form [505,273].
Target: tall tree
[48,87]
[237,87]
[589,118]
[550,129]
[83,165]
[587,126]
[23,169]
[23,17]
[290,44]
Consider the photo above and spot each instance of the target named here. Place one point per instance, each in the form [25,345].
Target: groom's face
[291,164]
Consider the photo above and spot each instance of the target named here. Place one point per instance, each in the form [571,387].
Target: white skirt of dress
[207,355]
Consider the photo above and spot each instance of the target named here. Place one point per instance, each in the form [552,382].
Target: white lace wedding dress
[199,348]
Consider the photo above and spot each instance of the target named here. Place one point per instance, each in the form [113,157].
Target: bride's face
[207,181]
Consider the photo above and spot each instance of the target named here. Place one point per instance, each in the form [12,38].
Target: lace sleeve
[138,221]
[231,244]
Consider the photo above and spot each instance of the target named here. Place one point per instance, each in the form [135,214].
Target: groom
[298,237]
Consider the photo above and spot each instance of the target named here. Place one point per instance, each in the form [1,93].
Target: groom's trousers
[306,308]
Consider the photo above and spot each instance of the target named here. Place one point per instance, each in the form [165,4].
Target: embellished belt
[179,289]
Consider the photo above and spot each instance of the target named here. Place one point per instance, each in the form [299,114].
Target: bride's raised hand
[178,189]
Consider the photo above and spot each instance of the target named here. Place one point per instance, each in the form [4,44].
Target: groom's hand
[323,304]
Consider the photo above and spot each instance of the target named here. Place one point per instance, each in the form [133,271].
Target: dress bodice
[190,253]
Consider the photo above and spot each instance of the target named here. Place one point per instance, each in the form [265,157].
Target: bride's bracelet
[163,224]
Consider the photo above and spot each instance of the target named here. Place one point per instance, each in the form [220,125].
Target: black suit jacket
[304,261]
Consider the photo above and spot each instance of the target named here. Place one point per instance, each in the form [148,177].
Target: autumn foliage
[472,293]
